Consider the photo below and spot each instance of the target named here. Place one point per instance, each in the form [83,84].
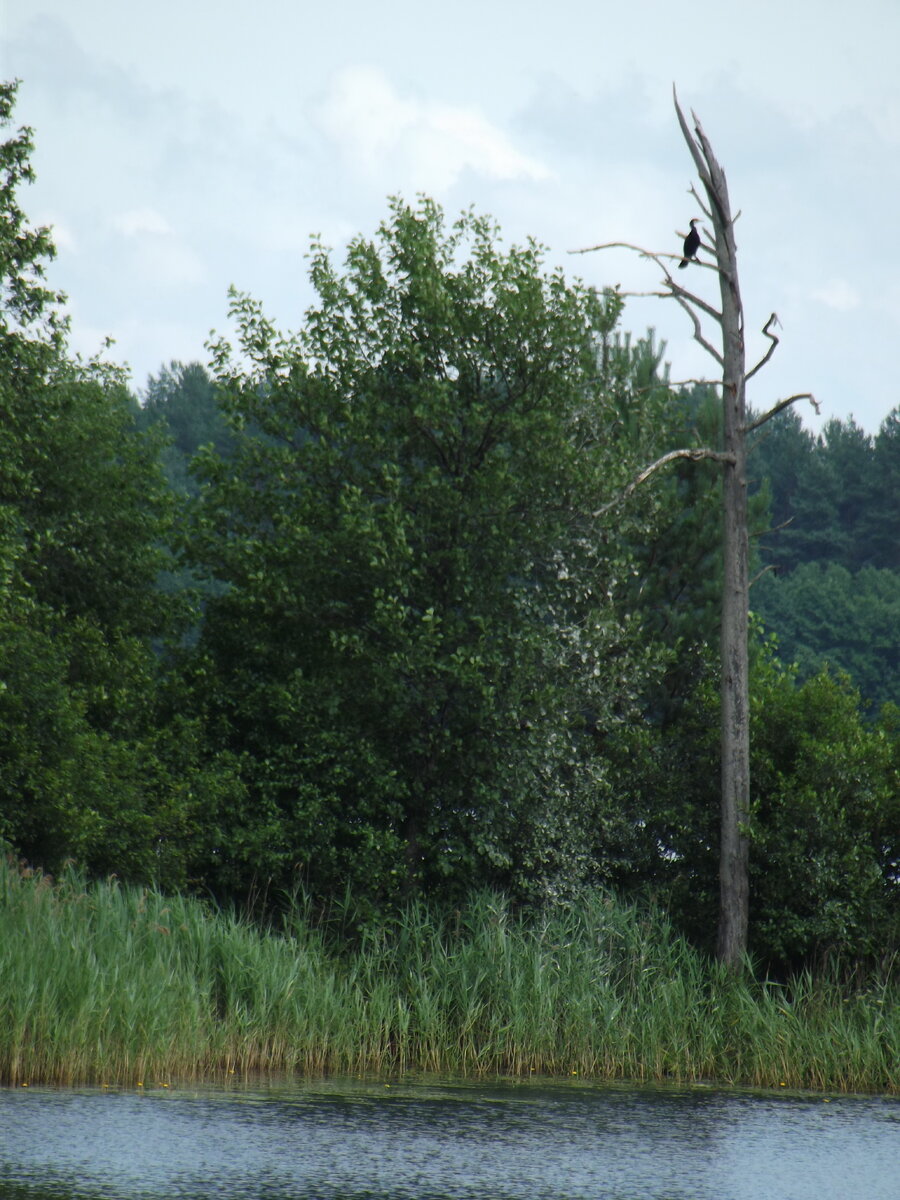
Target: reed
[105,983]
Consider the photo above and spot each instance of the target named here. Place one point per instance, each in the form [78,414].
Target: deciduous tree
[419,642]
[85,769]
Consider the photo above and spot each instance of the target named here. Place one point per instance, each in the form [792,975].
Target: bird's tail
[683,264]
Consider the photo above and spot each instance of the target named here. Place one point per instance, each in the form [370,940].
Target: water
[446,1141]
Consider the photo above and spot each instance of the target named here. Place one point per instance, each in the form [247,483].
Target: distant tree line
[833,592]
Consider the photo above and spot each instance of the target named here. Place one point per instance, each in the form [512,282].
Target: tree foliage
[89,766]
[826,616]
[834,496]
[836,548]
[181,403]
[825,814]
[419,642]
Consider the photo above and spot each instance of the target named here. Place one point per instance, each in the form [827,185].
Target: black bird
[691,244]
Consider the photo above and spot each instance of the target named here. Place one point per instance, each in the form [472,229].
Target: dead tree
[734,893]
[734,887]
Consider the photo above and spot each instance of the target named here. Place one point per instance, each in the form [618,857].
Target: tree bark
[734,893]
[734,888]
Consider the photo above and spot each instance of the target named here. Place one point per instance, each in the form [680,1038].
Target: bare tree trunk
[734,887]
[734,894]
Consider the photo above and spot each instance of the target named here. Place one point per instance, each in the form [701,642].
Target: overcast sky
[184,145]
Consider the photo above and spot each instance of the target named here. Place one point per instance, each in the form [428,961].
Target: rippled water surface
[449,1141]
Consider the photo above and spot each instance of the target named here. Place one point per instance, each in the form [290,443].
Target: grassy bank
[109,984]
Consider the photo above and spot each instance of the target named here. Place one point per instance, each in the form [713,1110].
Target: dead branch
[693,191]
[682,295]
[780,406]
[699,163]
[678,383]
[774,529]
[773,320]
[698,330]
[714,172]
[759,574]
[694,454]
[713,178]
[656,255]
[701,202]
[674,383]
[643,295]
[678,292]
[675,292]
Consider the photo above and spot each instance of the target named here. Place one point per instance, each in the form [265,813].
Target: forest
[332,620]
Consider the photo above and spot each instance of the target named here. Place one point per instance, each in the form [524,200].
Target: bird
[691,244]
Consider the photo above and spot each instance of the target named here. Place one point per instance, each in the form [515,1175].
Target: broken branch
[780,406]
[701,203]
[759,574]
[698,330]
[693,455]
[773,320]
[701,166]
[679,292]
[656,255]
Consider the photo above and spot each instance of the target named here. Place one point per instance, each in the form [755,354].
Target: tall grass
[106,983]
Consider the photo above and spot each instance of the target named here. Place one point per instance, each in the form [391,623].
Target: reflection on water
[447,1141]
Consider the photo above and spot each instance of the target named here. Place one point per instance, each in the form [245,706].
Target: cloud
[171,265]
[157,255]
[838,294]
[139,221]
[400,141]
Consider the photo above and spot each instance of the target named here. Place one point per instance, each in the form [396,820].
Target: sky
[183,147]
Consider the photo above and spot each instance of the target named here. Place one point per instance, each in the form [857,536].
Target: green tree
[779,459]
[825,818]
[827,841]
[419,644]
[832,500]
[824,615]
[850,452]
[834,599]
[86,769]
[181,401]
[879,529]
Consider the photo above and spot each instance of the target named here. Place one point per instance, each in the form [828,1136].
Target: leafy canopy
[420,639]
[87,769]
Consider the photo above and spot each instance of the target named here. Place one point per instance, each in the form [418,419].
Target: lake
[446,1140]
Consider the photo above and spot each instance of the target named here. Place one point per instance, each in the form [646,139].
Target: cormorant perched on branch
[691,244]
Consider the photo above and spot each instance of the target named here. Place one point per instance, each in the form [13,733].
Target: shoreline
[107,983]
